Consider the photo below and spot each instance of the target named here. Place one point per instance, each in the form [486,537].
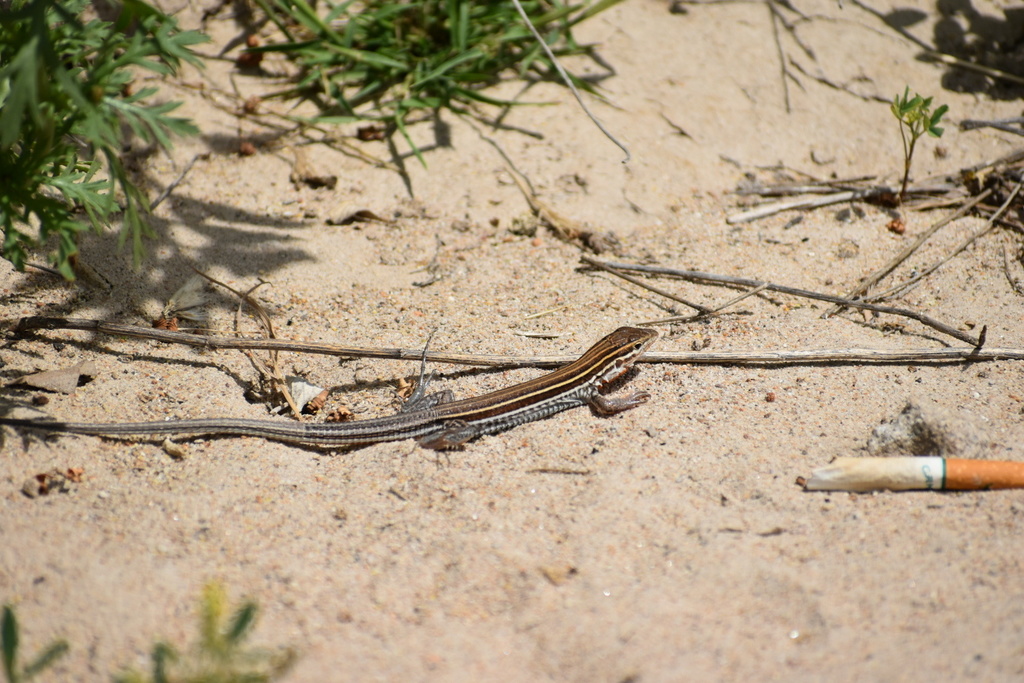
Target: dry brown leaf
[64,380]
[304,174]
[558,574]
[175,450]
[358,216]
[305,393]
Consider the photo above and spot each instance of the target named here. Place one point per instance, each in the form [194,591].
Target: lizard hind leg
[424,401]
[610,405]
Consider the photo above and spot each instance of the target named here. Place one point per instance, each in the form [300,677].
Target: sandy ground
[681,549]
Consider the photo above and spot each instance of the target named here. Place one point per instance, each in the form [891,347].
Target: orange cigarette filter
[967,475]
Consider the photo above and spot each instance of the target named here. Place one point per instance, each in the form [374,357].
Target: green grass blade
[367,57]
[309,18]
[52,653]
[400,124]
[447,66]
[554,15]
[241,624]
[591,10]
[9,633]
[273,16]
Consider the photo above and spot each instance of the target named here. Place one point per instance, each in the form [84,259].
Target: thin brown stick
[937,203]
[273,368]
[563,227]
[1015,284]
[782,289]
[829,197]
[989,225]
[1011,125]
[948,354]
[1008,160]
[214,342]
[852,355]
[732,302]
[971,66]
[874,278]
[715,312]
[646,285]
[811,187]
[766,210]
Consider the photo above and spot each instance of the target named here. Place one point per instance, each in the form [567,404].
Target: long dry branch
[870,281]
[853,355]
[252,343]
[782,289]
[989,225]
[805,203]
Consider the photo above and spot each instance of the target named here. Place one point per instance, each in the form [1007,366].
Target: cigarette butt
[873,474]
[908,473]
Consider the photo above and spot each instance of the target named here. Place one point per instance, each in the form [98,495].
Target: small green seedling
[220,656]
[9,636]
[915,116]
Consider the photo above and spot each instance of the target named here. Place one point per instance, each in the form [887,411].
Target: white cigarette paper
[873,474]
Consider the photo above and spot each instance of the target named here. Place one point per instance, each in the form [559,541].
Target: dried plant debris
[187,304]
[63,381]
[358,216]
[558,574]
[54,481]
[340,414]
[303,173]
[404,388]
[307,395]
[175,450]
[789,190]
[368,133]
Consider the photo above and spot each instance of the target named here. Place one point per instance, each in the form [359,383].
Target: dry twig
[989,225]
[271,371]
[704,310]
[852,355]
[782,289]
[718,310]
[873,279]
[1015,283]
[766,210]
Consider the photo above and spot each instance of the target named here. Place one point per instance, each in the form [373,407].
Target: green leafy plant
[384,60]
[66,92]
[220,655]
[915,118]
[9,642]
